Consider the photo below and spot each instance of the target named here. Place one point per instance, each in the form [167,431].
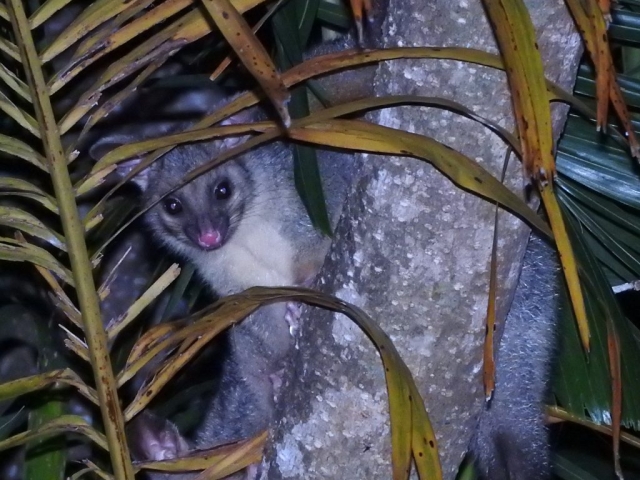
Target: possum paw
[292,317]
[155,438]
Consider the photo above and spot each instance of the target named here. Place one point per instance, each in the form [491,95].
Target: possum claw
[292,317]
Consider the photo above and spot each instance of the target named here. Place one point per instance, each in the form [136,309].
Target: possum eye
[222,190]
[172,206]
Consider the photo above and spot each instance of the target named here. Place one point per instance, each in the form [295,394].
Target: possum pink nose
[210,239]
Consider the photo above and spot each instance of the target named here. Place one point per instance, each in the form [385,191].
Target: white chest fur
[257,255]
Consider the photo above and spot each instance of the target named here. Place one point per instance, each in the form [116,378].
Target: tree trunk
[413,251]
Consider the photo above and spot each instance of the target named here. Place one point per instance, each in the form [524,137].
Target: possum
[242,224]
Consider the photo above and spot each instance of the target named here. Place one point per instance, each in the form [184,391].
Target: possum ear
[107,144]
[245,116]
[131,134]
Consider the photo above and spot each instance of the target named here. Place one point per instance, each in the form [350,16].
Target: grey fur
[270,242]
[264,210]
[512,441]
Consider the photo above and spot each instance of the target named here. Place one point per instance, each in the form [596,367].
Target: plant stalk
[74,236]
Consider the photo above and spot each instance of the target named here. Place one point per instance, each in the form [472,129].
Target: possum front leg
[158,439]
[243,404]
[232,415]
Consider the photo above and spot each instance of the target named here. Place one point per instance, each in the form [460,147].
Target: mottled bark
[413,251]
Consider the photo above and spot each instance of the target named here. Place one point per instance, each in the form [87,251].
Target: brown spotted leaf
[251,53]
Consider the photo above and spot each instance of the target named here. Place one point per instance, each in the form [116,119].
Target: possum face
[204,214]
